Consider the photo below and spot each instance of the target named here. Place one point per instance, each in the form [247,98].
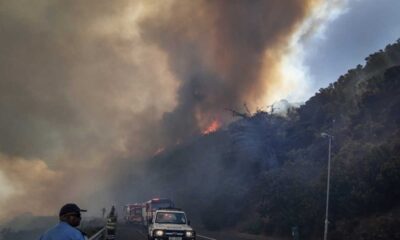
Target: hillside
[265,173]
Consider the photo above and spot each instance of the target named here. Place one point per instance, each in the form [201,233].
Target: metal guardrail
[100,235]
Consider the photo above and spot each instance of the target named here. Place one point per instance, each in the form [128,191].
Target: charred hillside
[265,173]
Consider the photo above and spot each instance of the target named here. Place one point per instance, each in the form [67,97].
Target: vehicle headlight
[189,234]
[159,233]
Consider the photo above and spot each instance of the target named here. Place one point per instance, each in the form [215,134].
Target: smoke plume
[217,52]
[88,87]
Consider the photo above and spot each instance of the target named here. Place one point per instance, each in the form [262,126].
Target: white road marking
[141,234]
[205,237]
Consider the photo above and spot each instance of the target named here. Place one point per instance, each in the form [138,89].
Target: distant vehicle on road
[150,207]
[170,224]
[133,213]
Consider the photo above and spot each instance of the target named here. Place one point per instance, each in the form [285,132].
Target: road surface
[132,232]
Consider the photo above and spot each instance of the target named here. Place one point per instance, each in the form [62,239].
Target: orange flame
[214,126]
[160,150]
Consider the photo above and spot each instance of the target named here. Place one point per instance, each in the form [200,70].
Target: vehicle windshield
[161,204]
[136,211]
[171,217]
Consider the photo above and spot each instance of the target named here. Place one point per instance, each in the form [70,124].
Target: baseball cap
[70,208]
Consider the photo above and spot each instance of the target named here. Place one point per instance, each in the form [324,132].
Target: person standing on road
[66,229]
[112,222]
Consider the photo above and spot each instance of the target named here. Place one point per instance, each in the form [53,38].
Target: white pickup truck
[170,224]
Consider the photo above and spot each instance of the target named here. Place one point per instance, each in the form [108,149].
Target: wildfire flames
[214,126]
[160,150]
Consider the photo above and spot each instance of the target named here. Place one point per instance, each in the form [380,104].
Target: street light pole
[327,184]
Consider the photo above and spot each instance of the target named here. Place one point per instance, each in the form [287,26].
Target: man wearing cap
[70,218]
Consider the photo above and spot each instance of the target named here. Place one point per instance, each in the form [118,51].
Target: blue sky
[363,28]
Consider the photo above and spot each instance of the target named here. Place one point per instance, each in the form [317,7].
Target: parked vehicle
[133,213]
[150,207]
[170,224]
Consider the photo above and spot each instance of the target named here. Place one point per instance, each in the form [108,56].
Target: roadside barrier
[108,232]
[100,235]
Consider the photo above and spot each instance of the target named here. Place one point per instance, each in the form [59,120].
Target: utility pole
[330,137]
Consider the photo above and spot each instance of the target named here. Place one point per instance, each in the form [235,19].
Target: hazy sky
[364,27]
[88,88]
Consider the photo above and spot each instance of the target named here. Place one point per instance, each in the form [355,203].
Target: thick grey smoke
[86,87]
[77,87]
[217,51]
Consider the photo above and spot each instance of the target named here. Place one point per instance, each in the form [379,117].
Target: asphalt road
[132,232]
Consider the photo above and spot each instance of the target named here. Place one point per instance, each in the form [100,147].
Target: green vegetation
[272,170]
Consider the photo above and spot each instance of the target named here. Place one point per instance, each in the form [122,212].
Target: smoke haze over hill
[89,87]
[87,84]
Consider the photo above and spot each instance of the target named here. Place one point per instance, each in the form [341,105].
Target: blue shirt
[62,231]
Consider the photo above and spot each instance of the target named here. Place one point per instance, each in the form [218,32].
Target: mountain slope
[267,173]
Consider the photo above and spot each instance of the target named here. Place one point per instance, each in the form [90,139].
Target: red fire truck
[133,213]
